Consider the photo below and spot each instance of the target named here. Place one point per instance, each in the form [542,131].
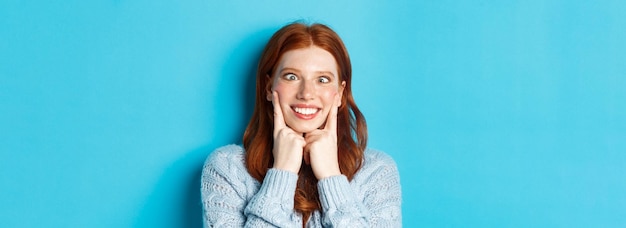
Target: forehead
[308,59]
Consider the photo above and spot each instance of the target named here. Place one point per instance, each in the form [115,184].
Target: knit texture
[233,198]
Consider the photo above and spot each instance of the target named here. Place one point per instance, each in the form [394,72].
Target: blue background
[498,113]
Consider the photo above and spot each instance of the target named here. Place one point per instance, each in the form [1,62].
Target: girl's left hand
[321,146]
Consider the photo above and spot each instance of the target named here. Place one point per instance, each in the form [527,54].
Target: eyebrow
[298,71]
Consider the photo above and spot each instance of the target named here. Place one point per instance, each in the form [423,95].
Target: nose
[306,90]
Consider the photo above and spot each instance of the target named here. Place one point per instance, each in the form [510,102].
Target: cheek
[281,89]
[328,95]
[285,93]
[279,86]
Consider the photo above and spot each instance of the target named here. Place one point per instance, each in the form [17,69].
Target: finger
[331,120]
[279,121]
[312,137]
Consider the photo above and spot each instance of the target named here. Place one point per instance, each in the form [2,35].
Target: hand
[321,146]
[288,145]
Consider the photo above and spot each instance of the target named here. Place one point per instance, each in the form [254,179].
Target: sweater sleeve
[224,193]
[339,203]
[378,205]
[273,204]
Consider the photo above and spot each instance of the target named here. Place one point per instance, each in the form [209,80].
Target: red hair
[351,127]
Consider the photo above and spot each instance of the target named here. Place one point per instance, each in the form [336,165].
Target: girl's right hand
[288,145]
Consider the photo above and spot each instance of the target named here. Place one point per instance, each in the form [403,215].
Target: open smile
[305,113]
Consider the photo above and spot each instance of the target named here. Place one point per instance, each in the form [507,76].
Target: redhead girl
[304,161]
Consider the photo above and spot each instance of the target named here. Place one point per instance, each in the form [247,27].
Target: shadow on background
[176,198]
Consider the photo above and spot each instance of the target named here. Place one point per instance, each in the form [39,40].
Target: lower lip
[305,117]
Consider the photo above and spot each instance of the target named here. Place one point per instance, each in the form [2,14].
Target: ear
[268,88]
[341,88]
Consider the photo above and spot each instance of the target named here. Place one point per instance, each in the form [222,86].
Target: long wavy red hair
[351,127]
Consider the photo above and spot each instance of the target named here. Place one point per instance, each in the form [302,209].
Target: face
[306,81]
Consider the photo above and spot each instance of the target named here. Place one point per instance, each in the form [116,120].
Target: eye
[324,79]
[290,77]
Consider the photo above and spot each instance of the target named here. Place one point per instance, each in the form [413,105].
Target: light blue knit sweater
[233,198]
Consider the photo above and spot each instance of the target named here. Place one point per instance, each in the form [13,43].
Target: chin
[303,129]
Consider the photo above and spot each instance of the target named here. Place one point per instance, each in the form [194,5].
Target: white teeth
[306,111]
